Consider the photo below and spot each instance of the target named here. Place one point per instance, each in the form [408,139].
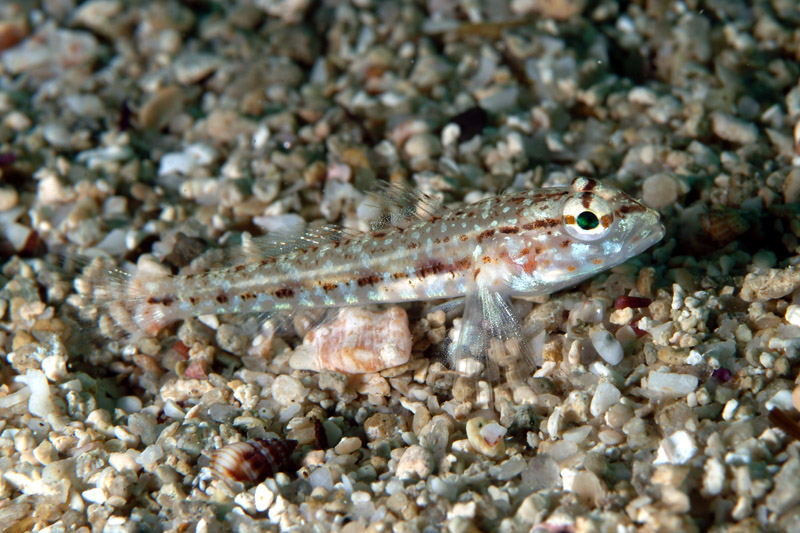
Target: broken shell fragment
[356,342]
[486,436]
[251,461]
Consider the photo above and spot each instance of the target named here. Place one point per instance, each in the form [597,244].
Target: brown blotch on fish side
[412,245]
[540,224]
[165,301]
[463,264]
[193,300]
[630,208]
[571,268]
[463,237]
[399,275]
[247,296]
[485,234]
[605,220]
[379,234]
[565,243]
[446,239]
[486,259]
[222,298]
[328,287]
[431,269]
[475,273]
[368,280]
[597,261]
[284,292]
[509,229]
[538,249]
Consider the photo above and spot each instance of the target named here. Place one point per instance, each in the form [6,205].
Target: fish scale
[514,245]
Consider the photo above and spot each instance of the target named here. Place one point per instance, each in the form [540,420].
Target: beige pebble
[791,186]
[617,415]
[555,9]
[611,437]
[796,398]
[416,462]
[160,107]
[8,198]
[775,284]
[621,317]
[423,145]
[45,452]
[348,445]
[660,190]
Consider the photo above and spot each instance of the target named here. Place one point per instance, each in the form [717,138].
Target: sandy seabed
[154,133]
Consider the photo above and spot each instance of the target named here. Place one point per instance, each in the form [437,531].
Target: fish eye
[587,220]
[587,217]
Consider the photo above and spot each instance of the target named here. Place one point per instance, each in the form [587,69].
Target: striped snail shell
[251,461]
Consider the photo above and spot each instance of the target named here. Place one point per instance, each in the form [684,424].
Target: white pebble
[187,161]
[676,449]
[782,400]
[607,346]
[321,477]
[130,404]
[264,498]
[793,315]
[604,397]
[730,409]
[714,478]
[150,455]
[287,390]
[172,409]
[39,404]
[671,383]
[126,460]
[17,235]
[96,495]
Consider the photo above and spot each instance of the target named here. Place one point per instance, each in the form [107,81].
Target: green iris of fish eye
[588,220]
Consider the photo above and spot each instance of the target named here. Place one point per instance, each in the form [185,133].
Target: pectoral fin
[490,344]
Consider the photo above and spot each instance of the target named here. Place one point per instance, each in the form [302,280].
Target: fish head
[593,227]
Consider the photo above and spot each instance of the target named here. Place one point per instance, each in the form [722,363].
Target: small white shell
[356,342]
[486,436]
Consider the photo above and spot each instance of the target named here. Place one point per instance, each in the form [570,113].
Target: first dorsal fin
[403,205]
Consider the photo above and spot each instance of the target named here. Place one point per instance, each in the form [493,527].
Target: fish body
[519,244]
